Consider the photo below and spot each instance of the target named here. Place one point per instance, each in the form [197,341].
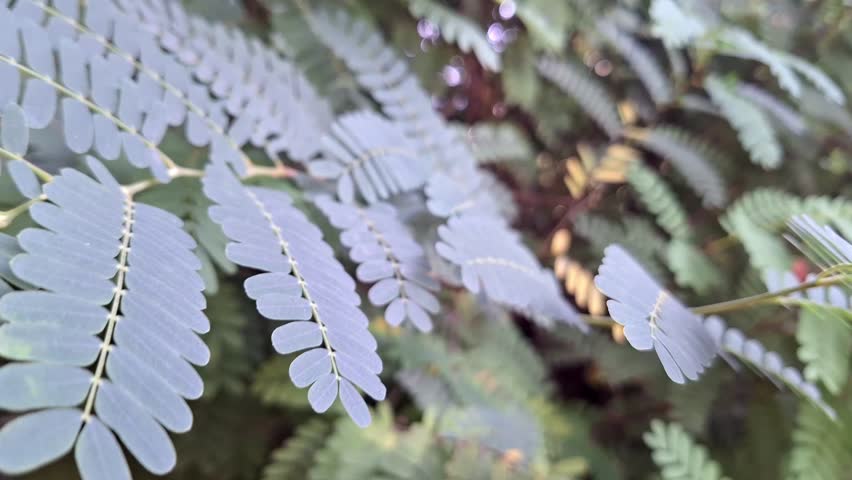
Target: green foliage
[692,268]
[296,456]
[675,26]
[825,344]
[586,91]
[658,198]
[353,168]
[496,142]
[547,22]
[692,158]
[753,128]
[757,218]
[458,29]
[822,448]
[521,83]
[678,456]
[233,345]
[644,63]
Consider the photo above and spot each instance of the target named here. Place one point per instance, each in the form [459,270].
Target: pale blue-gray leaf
[29,386]
[98,455]
[54,309]
[322,393]
[355,406]
[78,125]
[24,179]
[48,343]
[138,431]
[296,336]
[14,133]
[33,440]
[310,366]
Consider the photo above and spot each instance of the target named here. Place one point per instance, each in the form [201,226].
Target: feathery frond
[104,264]
[784,114]
[296,456]
[735,346]
[758,217]
[692,268]
[457,29]
[753,128]
[389,258]
[822,449]
[364,151]
[303,284]
[641,59]
[741,43]
[659,199]
[822,242]
[678,456]
[587,92]
[496,142]
[100,108]
[493,261]
[383,73]
[690,157]
[675,26]
[652,318]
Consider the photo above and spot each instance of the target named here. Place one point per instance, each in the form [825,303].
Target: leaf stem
[40,173]
[733,305]
[91,105]
[281,171]
[154,75]
[106,346]
[6,217]
[768,297]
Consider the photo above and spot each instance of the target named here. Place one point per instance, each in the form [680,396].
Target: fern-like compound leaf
[494,261]
[303,284]
[753,128]
[295,458]
[652,318]
[496,142]
[825,340]
[103,105]
[821,448]
[691,158]
[102,264]
[822,242]
[758,217]
[736,347]
[364,151]
[691,267]
[674,25]
[818,78]
[780,111]
[741,43]
[458,29]
[658,198]
[678,456]
[389,258]
[641,60]
[385,74]
[586,91]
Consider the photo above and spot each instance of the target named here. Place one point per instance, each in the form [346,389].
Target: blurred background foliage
[688,131]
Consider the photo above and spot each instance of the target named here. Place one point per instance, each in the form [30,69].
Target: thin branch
[733,305]
[764,298]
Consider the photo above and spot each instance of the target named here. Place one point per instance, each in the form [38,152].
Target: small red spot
[800,269]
